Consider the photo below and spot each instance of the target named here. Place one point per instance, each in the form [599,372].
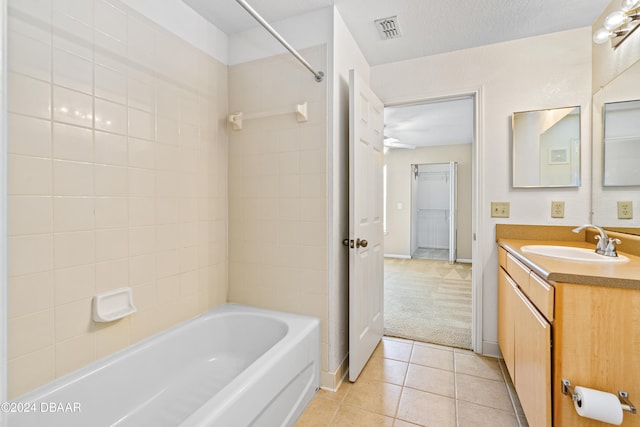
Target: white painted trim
[331,381]
[3,208]
[477,197]
[464,260]
[397,256]
[491,349]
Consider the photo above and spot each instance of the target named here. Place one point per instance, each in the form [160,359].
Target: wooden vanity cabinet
[595,335]
[524,336]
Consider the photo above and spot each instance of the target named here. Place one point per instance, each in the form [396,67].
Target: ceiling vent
[388,28]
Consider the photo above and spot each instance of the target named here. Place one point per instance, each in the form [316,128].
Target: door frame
[477,199]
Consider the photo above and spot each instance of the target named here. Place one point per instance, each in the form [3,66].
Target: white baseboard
[491,349]
[463,260]
[397,256]
[331,381]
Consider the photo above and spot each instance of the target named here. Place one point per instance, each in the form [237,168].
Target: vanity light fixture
[618,25]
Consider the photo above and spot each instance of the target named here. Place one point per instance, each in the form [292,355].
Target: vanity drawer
[541,294]
[518,272]
[502,257]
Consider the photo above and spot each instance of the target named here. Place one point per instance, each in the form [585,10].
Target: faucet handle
[610,250]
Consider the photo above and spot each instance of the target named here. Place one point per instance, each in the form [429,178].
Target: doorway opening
[433,211]
[428,220]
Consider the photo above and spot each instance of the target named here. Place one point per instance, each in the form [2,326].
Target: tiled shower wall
[278,189]
[117,177]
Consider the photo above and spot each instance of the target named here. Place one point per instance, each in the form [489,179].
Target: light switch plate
[625,210]
[500,209]
[557,209]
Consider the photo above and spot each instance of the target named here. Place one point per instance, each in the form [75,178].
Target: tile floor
[409,383]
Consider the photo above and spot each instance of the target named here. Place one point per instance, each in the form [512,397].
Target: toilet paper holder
[623,396]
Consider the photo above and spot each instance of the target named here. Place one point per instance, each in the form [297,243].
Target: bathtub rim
[297,324]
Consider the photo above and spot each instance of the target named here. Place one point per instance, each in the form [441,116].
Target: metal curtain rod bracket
[319,75]
[623,396]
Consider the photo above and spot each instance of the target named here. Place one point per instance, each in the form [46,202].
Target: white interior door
[366,268]
[453,212]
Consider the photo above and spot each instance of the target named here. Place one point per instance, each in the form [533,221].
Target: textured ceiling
[428,26]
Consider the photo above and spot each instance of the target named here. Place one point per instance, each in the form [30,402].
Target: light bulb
[601,35]
[628,5]
[615,19]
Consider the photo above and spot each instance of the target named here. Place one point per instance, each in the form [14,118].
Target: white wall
[552,70]
[178,18]
[397,241]
[3,205]
[301,32]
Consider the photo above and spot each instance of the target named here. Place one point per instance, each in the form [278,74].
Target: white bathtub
[232,366]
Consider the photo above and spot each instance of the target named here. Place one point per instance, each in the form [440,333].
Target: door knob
[362,243]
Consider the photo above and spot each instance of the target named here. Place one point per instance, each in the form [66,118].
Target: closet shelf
[300,110]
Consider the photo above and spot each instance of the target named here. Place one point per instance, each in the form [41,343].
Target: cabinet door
[532,361]
[506,319]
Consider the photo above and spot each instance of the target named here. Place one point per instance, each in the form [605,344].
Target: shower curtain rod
[319,75]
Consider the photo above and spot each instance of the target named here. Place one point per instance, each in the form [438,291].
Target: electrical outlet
[500,209]
[625,210]
[557,209]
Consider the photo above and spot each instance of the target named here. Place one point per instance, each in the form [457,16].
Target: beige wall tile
[30,215]
[28,372]
[112,275]
[72,143]
[30,254]
[112,337]
[75,283]
[73,214]
[75,353]
[29,176]
[72,178]
[72,249]
[30,294]
[30,97]
[97,203]
[72,319]
[112,212]
[29,333]
[29,136]
[110,149]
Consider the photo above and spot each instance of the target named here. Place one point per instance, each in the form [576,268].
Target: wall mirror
[621,92]
[546,148]
[621,143]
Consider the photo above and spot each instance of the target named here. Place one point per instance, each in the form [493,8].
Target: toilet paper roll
[598,405]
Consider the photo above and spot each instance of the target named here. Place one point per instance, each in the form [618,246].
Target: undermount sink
[571,254]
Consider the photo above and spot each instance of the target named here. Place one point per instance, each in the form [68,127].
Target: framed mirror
[604,194]
[621,143]
[546,148]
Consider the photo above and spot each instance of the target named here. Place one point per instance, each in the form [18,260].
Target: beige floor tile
[381,398]
[472,415]
[470,363]
[350,416]
[432,356]
[429,379]
[320,412]
[400,423]
[397,349]
[426,409]
[384,370]
[483,392]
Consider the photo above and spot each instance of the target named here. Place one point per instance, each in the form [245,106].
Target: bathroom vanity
[560,319]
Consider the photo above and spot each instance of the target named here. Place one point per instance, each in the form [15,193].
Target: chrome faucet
[606,245]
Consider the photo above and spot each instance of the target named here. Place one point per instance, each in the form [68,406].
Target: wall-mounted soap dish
[113,305]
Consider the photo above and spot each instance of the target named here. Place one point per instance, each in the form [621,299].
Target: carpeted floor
[428,300]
